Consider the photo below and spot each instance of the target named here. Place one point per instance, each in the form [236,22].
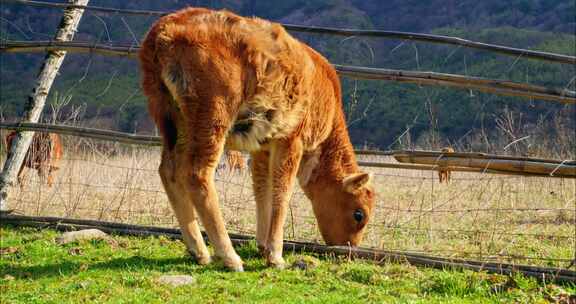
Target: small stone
[86,234]
[8,250]
[9,278]
[305,263]
[176,280]
[300,264]
[75,251]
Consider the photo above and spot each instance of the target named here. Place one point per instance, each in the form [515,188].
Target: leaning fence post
[37,99]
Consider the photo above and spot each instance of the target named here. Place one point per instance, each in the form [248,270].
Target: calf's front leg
[285,156]
[261,185]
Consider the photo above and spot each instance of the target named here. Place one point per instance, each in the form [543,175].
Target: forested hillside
[104,91]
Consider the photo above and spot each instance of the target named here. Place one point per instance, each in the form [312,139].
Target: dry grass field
[527,220]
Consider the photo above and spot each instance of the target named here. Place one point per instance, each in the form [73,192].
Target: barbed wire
[484,177]
[475,210]
[159,212]
[467,231]
[252,210]
[431,38]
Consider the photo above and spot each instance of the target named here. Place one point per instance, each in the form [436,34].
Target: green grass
[125,271]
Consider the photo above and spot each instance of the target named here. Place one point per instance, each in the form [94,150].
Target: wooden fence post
[37,99]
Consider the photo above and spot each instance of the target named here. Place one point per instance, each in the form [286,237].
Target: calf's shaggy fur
[215,80]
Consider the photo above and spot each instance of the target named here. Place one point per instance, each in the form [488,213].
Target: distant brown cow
[235,160]
[444,175]
[43,155]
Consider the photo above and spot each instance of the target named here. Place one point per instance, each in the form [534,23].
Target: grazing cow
[214,80]
[235,160]
[445,174]
[43,154]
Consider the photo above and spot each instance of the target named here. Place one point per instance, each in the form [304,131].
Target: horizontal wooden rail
[120,50]
[468,161]
[88,7]
[449,168]
[566,169]
[475,155]
[85,132]
[547,274]
[501,87]
[438,39]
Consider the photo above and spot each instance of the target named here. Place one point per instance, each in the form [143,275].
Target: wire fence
[497,218]
[512,219]
[502,87]
[440,39]
[409,159]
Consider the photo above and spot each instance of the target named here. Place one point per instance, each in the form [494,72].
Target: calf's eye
[358,215]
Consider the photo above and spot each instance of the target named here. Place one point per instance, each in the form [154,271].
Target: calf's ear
[356,181]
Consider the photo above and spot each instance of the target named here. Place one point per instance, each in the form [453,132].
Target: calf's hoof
[262,251]
[233,263]
[203,260]
[276,262]
[236,268]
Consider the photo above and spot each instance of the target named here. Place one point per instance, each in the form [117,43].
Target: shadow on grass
[74,267]
[71,265]
[183,264]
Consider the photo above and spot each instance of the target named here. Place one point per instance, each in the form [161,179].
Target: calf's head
[343,208]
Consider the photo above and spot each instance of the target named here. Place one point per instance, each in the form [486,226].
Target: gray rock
[176,280]
[86,234]
[9,278]
[305,263]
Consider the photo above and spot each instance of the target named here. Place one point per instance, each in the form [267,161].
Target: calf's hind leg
[183,209]
[197,162]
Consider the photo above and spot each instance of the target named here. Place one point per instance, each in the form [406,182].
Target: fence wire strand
[472,216]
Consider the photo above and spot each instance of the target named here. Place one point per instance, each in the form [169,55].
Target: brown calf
[233,161]
[215,79]
[43,155]
[444,175]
